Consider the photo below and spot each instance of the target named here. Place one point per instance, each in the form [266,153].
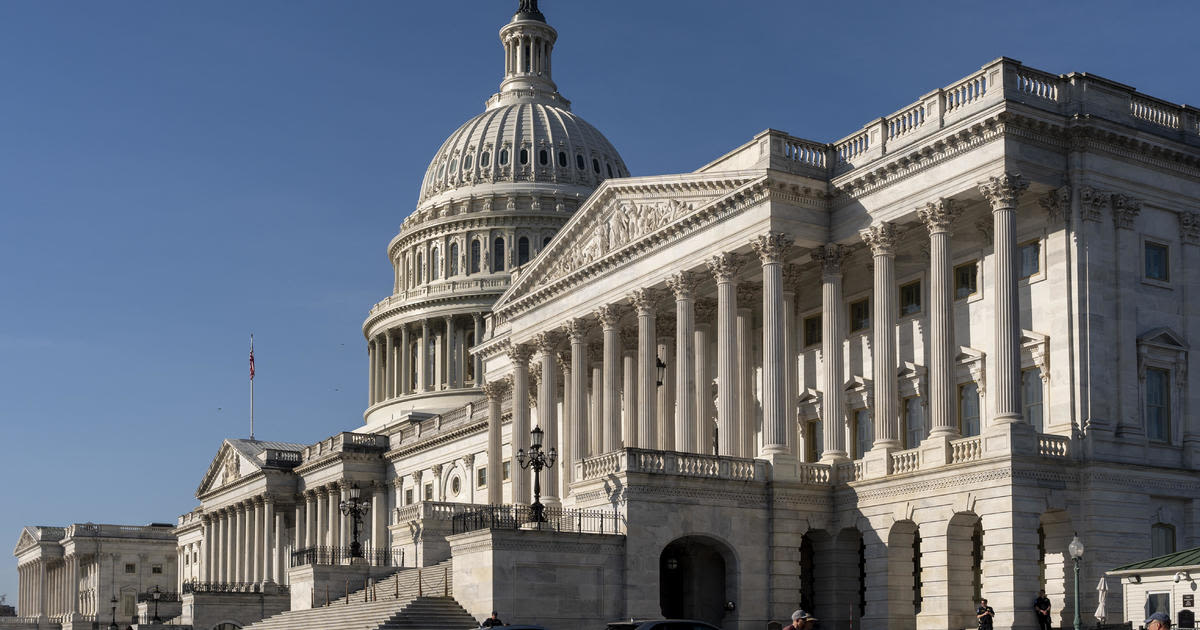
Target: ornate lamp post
[1076,551]
[537,460]
[661,370]
[113,625]
[156,594]
[355,507]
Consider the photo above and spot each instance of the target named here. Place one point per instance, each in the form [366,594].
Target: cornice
[463,299]
[397,454]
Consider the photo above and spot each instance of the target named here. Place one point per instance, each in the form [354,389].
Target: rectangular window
[910,298]
[1158,603]
[1157,259]
[1162,540]
[1158,405]
[914,422]
[481,477]
[860,315]
[428,492]
[1031,397]
[408,496]
[968,409]
[131,568]
[966,278]
[1029,257]
[507,468]
[814,445]
[863,433]
[812,330]
[156,569]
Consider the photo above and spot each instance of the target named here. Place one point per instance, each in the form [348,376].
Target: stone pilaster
[833,333]
[724,268]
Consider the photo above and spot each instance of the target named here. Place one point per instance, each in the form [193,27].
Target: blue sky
[176,175]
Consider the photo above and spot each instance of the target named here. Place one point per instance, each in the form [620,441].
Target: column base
[1010,438]
[935,450]
[877,462]
[784,466]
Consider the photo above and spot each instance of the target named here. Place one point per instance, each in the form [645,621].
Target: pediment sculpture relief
[232,468]
[628,222]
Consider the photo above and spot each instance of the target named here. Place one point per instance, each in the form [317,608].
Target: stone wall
[206,610]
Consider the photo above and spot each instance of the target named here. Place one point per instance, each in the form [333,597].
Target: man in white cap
[802,621]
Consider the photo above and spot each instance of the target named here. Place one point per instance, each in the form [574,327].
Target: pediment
[622,216]
[1163,338]
[226,467]
[25,541]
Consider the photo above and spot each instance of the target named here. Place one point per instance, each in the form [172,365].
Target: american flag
[252,357]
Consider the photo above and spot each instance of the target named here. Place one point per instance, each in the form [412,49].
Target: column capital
[748,294]
[1189,227]
[436,469]
[724,266]
[469,460]
[683,284]
[477,318]
[610,315]
[387,334]
[939,215]
[830,256]
[791,277]
[772,246]
[1002,191]
[564,362]
[520,353]
[495,390]
[546,342]
[629,339]
[1057,204]
[881,238]
[240,508]
[706,309]
[644,300]
[664,326]
[1125,211]
[577,329]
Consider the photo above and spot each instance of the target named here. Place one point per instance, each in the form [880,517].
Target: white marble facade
[876,377]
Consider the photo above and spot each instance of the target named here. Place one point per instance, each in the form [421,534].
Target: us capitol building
[874,378]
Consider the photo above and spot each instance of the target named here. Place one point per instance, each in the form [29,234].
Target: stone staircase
[412,599]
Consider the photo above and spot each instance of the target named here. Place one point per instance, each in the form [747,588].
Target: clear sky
[176,175]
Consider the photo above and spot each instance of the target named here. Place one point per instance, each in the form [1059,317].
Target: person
[802,620]
[984,614]
[1041,607]
[492,622]
[1158,621]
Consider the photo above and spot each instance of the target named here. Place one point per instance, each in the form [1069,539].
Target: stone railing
[906,461]
[815,474]
[1057,446]
[345,441]
[849,471]
[637,460]
[498,282]
[434,510]
[967,449]
[120,531]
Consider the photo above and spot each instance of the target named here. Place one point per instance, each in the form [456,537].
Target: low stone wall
[322,582]
[204,610]
[166,610]
[559,580]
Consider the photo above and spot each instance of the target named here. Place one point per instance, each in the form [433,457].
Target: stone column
[629,388]
[724,268]
[610,318]
[405,386]
[281,560]
[548,409]
[239,543]
[833,326]
[521,484]
[389,383]
[744,327]
[683,285]
[206,549]
[221,548]
[322,512]
[379,512]
[268,538]
[300,534]
[596,415]
[342,521]
[254,527]
[73,586]
[423,358]
[881,239]
[938,216]
[311,526]
[447,341]
[576,335]
[647,395]
[705,310]
[771,250]
[371,372]
[478,339]
[1002,193]
[42,587]
[495,395]
[665,352]
[791,281]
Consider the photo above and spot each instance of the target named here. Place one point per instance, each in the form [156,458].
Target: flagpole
[251,386]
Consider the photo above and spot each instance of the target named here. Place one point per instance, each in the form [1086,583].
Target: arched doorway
[694,579]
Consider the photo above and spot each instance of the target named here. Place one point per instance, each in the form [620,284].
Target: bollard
[365,587]
[396,583]
[445,581]
[326,594]
[347,591]
[419,582]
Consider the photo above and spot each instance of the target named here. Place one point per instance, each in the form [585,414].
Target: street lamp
[537,460]
[662,370]
[1076,551]
[113,625]
[355,507]
[156,594]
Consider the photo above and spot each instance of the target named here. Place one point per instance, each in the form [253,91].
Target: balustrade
[906,461]
[966,449]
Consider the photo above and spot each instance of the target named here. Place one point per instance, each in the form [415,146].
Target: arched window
[503,157]
[596,165]
[610,173]
[524,156]
[498,254]
[485,159]
[579,161]
[435,261]
[543,157]
[522,250]
[453,259]
[546,241]
[420,267]
[475,248]
[453,165]
[467,163]
[562,159]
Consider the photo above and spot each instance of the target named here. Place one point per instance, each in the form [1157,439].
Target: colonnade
[48,587]
[245,543]
[402,360]
[655,395]
[320,523]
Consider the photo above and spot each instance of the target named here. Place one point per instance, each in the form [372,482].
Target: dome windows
[579,161]
[596,165]
[503,157]
[467,162]
[441,170]
[485,159]
[453,165]
[522,250]
[610,173]
[546,241]
[454,257]
[475,247]
[543,157]
[562,159]
[524,156]
[435,262]
[498,255]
